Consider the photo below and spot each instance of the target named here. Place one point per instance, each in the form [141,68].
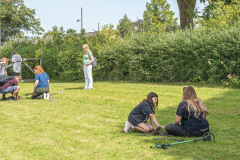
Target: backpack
[5,79]
[94,64]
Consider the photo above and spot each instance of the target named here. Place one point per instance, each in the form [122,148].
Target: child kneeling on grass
[139,116]
[11,87]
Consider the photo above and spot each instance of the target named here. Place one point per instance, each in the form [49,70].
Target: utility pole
[81,20]
[78,20]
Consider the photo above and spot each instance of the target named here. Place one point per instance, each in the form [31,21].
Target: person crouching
[41,85]
[11,87]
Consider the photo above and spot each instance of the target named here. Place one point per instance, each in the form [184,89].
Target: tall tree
[186,10]
[126,26]
[160,13]
[16,18]
[147,21]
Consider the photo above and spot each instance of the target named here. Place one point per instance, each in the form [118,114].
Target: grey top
[17,60]
[2,69]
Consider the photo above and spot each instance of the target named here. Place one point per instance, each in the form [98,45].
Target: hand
[162,127]
[87,64]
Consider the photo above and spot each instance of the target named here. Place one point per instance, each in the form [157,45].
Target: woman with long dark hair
[139,116]
[190,119]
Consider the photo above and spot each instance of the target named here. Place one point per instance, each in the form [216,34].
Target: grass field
[88,124]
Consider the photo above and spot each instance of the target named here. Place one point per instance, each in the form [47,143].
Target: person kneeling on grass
[139,116]
[11,87]
[41,86]
[191,113]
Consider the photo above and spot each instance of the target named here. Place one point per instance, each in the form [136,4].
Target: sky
[66,12]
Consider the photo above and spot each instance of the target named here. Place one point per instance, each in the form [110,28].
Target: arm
[6,71]
[177,119]
[35,85]
[91,57]
[154,121]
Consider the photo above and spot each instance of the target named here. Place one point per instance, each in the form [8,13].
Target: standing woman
[190,119]
[17,63]
[3,67]
[87,66]
[41,86]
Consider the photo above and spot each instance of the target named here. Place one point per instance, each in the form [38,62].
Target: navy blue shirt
[42,80]
[140,114]
[191,123]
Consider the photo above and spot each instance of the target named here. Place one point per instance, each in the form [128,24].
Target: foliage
[194,55]
[200,55]
[221,14]
[27,48]
[16,18]
[126,26]
[89,124]
[161,15]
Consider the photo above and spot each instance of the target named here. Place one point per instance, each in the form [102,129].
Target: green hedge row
[192,55]
[199,55]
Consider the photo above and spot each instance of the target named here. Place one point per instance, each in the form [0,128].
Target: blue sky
[66,12]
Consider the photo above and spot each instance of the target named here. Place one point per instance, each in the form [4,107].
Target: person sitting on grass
[191,113]
[11,87]
[139,116]
[41,86]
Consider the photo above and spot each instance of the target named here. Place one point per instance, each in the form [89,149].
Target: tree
[126,26]
[221,14]
[16,18]
[147,21]
[160,14]
[186,10]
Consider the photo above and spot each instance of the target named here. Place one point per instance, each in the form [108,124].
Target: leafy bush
[199,55]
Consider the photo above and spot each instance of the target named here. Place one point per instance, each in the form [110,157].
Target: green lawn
[88,124]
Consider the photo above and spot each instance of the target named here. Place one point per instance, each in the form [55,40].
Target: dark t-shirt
[140,114]
[191,123]
[12,82]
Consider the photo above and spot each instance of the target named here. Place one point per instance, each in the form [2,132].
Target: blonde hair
[38,69]
[86,46]
[19,77]
[194,103]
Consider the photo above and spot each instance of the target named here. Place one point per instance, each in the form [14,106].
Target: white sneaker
[47,95]
[127,126]
[44,95]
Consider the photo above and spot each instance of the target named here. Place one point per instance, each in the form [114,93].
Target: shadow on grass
[81,88]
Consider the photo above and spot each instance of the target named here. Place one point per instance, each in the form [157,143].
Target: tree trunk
[186,10]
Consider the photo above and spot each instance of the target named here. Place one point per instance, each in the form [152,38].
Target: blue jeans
[10,89]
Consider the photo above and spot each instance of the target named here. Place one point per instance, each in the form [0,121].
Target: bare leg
[15,93]
[143,127]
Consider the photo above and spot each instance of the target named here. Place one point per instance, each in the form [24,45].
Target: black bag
[5,79]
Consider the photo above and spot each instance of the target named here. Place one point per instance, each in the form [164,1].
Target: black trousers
[38,93]
[177,130]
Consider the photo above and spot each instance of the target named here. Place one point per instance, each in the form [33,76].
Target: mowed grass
[88,124]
